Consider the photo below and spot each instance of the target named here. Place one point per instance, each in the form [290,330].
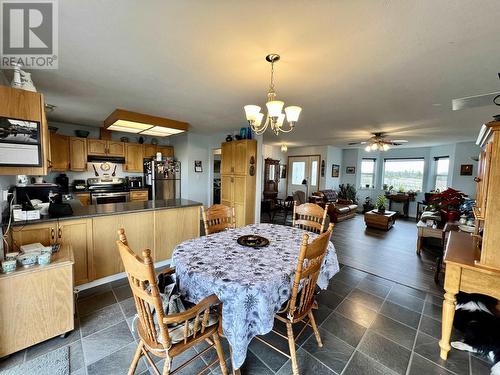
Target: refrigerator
[163,178]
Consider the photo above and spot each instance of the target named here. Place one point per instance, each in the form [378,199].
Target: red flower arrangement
[448,203]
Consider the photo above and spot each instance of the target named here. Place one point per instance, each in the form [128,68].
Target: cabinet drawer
[138,195]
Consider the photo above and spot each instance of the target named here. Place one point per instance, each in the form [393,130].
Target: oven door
[115,197]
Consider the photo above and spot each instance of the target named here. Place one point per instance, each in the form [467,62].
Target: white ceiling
[354,66]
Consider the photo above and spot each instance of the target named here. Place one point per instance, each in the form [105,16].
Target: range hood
[103,158]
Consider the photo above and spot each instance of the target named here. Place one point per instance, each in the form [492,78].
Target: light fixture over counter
[139,123]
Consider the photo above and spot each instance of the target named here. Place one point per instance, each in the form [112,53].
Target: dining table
[252,283]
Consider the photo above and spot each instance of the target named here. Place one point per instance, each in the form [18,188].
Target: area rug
[55,362]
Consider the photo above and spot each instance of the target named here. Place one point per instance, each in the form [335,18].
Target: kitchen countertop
[81,212]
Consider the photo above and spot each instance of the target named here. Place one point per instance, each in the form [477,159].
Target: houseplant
[348,192]
[381,203]
[448,204]
[368,205]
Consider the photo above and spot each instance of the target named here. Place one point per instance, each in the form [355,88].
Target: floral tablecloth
[251,283]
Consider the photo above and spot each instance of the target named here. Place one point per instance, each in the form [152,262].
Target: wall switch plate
[5,195]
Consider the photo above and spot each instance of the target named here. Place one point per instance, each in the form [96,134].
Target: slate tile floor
[369,325]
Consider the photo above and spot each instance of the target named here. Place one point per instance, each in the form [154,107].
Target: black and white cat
[475,318]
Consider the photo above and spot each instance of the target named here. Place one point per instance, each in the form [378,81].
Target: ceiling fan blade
[354,143]
[400,140]
[474,101]
[395,144]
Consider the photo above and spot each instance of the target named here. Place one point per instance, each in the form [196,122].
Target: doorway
[216,177]
[303,174]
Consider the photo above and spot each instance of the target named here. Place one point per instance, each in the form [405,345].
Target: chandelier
[275,117]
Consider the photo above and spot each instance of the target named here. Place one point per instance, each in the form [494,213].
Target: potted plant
[448,203]
[381,203]
[347,192]
[368,205]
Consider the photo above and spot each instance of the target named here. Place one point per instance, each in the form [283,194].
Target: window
[367,173]
[404,174]
[442,167]
[298,172]
[314,172]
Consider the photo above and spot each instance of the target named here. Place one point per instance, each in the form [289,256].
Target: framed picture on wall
[350,170]
[466,170]
[335,170]
[197,166]
[282,171]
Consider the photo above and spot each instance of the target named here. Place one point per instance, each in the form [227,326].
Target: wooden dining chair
[301,303]
[218,218]
[309,216]
[192,325]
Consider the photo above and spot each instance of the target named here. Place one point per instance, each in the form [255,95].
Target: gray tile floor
[369,325]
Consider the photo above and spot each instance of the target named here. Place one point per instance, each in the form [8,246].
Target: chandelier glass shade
[275,117]
[374,146]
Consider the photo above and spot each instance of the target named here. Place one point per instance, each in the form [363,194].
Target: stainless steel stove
[108,190]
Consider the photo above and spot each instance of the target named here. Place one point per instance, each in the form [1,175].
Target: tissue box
[20,215]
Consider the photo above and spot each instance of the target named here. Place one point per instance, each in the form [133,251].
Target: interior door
[302,168]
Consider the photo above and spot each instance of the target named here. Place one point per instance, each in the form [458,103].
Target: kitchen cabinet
[84,198]
[139,228]
[167,236]
[78,235]
[59,152]
[139,195]
[77,154]
[26,105]
[37,303]
[44,233]
[101,147]
[134,157]
[238,159]
[151,150]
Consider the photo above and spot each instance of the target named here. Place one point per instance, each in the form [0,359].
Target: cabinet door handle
[49,163]
[52,233]
[59,233]
[232,179]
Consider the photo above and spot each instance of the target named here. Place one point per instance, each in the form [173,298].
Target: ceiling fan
[476,100]
[379,142]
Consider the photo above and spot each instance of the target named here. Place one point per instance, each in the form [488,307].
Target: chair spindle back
[309,216]
[218,218]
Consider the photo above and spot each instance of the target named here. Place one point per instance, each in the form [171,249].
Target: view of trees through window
[442,166]
[406,174]
[367,173]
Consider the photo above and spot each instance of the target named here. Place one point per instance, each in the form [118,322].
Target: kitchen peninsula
[91,232]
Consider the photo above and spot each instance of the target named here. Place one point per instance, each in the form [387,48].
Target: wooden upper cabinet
[227,159]
[59,151]
[77,154]
[134,157]
[116,148]
[26,105]
[150,151]
[166,151]
[96,147]
[240,157]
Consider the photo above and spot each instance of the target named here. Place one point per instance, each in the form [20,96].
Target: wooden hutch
[473,260]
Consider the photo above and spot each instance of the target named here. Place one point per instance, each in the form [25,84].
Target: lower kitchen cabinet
[78,234]
[44,233]
[139,228]
[174,226]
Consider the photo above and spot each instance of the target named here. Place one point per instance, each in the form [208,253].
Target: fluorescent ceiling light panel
[123,129]
[155,134]
[132,124]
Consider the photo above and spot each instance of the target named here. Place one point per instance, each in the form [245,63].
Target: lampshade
[385,147]
[284,148]
[281,119]
[374,146]
[251,111]
[274,107]
[292,113]
[258,119]
[368,148]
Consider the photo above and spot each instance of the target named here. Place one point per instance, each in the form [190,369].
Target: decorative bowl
[8,266]
[11,256]
[44,259]
[254,241]
[466,228]
[82,133]
[27,260]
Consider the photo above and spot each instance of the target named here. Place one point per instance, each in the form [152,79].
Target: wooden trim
[122,114]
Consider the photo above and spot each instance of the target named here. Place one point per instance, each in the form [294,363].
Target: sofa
[338,209]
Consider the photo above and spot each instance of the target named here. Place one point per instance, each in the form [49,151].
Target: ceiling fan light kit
[139,123]
[275,117]
[379,143]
